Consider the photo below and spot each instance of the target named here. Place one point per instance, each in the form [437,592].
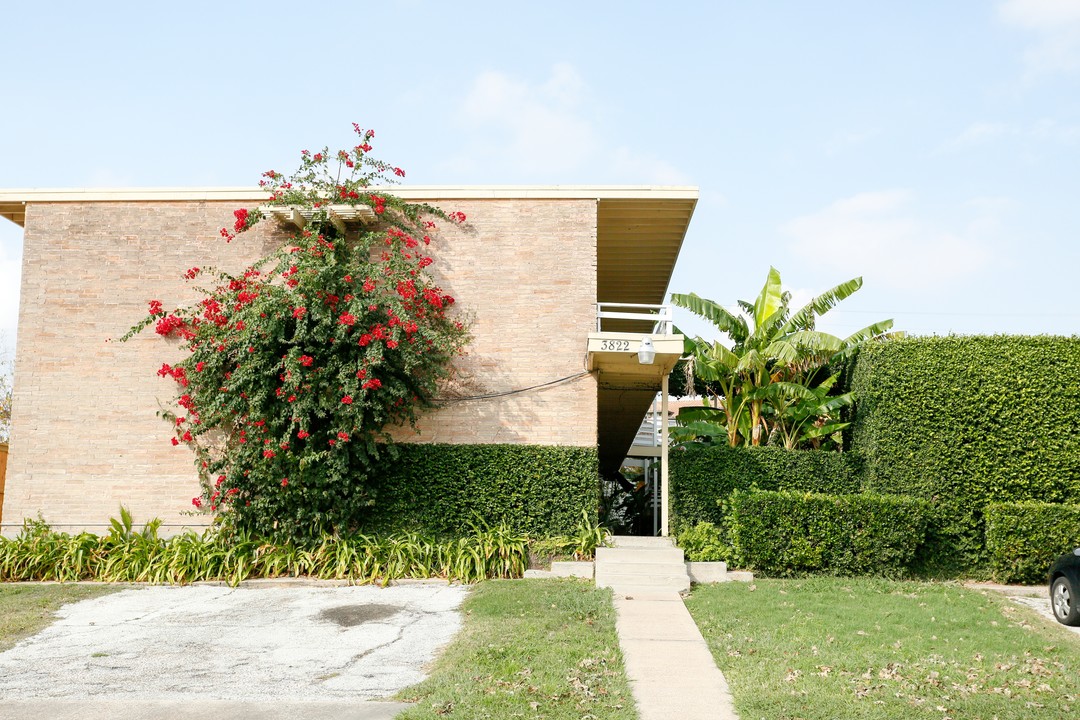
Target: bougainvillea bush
[298,365]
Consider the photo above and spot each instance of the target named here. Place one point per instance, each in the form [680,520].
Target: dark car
[1065,588]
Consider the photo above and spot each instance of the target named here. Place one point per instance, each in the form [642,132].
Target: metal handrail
[659,315]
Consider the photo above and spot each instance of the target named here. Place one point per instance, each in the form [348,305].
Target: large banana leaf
[820,305]
[724,321]
[769,299]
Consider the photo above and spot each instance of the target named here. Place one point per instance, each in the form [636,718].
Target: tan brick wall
[85,435]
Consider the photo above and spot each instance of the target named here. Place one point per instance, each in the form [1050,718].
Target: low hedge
[538,490]
[702,477]
[791,533]
[1023,539]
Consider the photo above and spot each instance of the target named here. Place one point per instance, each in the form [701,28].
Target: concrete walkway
[672,673]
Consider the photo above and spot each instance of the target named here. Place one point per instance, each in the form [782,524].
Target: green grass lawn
[859,648]
[25,609]
[529,649]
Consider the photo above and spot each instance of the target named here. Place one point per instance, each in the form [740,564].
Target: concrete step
[667,582]
[641,568]
[639,554]
[639,541]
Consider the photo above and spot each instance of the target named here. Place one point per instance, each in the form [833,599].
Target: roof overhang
[639,228]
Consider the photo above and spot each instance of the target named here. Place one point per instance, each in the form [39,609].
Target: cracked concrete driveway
[261,645]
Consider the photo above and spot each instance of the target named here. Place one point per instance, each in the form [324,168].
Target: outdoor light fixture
[646,353]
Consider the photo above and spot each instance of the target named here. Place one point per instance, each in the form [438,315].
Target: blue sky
[932,148]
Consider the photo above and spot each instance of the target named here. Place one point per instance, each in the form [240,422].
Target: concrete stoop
[642,565]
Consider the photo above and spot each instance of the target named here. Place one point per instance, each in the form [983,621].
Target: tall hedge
[701,476]
[1024,539]
[966,421]
[441,489]
[791,533]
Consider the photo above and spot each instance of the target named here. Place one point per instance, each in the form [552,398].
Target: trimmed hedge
[788,533]
[966,421]
[703,476]
[444,489]
[1024,539]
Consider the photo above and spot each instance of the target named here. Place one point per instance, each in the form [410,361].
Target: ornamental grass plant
[232,556]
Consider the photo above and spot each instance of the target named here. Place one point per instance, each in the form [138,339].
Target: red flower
[373,384]
[306,360]
[197,502]
[399,172]
[175,442]
[347,400]
[268,454]
[391,344]
[284,482]
[187,436]
[347,319]
[299,312]
[369,285]
[155,307]
[303,434]
[342,436]
[241,216]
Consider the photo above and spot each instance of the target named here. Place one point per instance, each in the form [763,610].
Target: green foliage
[299,365]
[790,533]
[443,489]
[704,542]
[764,383]
[1023,539]
[702,477]
[125,555]
[967,421]
[529,649]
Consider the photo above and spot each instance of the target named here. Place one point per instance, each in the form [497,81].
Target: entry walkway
[671,671]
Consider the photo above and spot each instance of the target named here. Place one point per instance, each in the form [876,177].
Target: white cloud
[843,141]
[977,134]
[877,235]
[535,127]
[547,132]
[1056,23]
[981,133]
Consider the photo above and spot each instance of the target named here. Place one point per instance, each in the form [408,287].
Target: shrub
[789,533]
[966,421]
[1024,539]
[445,489]
[299,364]
[704,542]
[702,477]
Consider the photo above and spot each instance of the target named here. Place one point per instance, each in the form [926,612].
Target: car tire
[1064,601]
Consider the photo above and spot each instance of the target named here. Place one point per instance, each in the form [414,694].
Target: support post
[664,456]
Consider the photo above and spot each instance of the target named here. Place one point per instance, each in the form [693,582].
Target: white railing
[658,315]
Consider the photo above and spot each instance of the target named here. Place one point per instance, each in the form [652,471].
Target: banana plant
[770,344]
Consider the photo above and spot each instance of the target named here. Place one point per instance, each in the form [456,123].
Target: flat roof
[640,228]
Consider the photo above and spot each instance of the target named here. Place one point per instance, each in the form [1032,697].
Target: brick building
[530,268]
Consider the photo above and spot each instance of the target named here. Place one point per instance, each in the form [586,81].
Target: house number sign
[614,345]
